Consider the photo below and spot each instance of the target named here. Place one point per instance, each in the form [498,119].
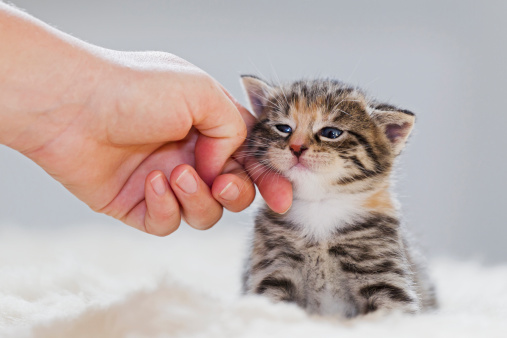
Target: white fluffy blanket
[105,281]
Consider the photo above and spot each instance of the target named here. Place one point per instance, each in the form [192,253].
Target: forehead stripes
[327,97]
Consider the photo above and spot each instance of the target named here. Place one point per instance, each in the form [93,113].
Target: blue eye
[284,128]
[330,133]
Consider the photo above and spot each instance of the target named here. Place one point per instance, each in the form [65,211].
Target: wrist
[47,77]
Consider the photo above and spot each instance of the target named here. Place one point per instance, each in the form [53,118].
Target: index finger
[222,130]
[247,117]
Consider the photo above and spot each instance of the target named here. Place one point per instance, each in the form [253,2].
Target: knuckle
[242,132]
[184,124]
[162,229]
[169,217]
[163,223]
[242,203]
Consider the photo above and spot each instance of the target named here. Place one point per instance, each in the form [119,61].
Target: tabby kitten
[340,249]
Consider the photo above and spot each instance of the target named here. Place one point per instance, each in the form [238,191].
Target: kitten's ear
[396,124]
[257,91]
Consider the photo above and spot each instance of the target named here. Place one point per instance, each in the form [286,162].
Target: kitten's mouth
[299,166]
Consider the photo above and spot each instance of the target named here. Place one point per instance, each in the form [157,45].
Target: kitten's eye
[284,128]
[330,132]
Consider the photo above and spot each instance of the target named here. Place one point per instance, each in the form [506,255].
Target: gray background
[444,60]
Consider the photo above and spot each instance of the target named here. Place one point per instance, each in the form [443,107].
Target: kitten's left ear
[396,124]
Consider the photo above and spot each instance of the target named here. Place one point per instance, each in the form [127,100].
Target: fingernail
[230,192]
[186,181]
[283,213]
[159,184]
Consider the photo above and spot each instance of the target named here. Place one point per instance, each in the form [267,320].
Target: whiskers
[261,168]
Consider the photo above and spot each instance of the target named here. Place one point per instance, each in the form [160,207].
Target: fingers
[159,213]
[234,189]
[185,195]
[198,207]
[275,189]
[222,131]
[162,208]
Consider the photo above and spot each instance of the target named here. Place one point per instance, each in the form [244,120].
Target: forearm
[42,79]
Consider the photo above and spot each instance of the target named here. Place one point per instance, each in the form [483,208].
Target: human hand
[154,116]
[138,136]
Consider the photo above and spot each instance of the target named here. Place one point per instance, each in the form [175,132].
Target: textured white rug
[105,281]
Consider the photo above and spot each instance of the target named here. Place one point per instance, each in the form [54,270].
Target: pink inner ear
[396,133]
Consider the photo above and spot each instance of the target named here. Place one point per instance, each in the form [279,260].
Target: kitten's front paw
[382,307]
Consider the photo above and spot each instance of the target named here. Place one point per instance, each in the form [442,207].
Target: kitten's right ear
[257,91]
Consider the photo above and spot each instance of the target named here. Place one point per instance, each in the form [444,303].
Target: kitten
[340,249]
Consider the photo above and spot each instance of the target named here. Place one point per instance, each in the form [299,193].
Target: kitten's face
[325,134]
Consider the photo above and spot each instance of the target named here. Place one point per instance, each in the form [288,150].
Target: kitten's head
[325,136]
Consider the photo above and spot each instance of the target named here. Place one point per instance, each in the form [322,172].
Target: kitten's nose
[297,149]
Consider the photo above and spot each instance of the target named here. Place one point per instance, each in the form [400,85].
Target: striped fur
[340,249]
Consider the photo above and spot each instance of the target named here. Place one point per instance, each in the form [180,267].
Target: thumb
[222,131]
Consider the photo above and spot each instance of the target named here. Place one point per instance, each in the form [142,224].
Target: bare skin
[147,138]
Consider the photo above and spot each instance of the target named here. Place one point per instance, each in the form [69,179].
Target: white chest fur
[318,219]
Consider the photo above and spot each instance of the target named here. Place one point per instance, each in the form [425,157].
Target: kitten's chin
[307,184]
[299,173]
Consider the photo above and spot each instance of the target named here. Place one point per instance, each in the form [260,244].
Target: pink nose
[297,149]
